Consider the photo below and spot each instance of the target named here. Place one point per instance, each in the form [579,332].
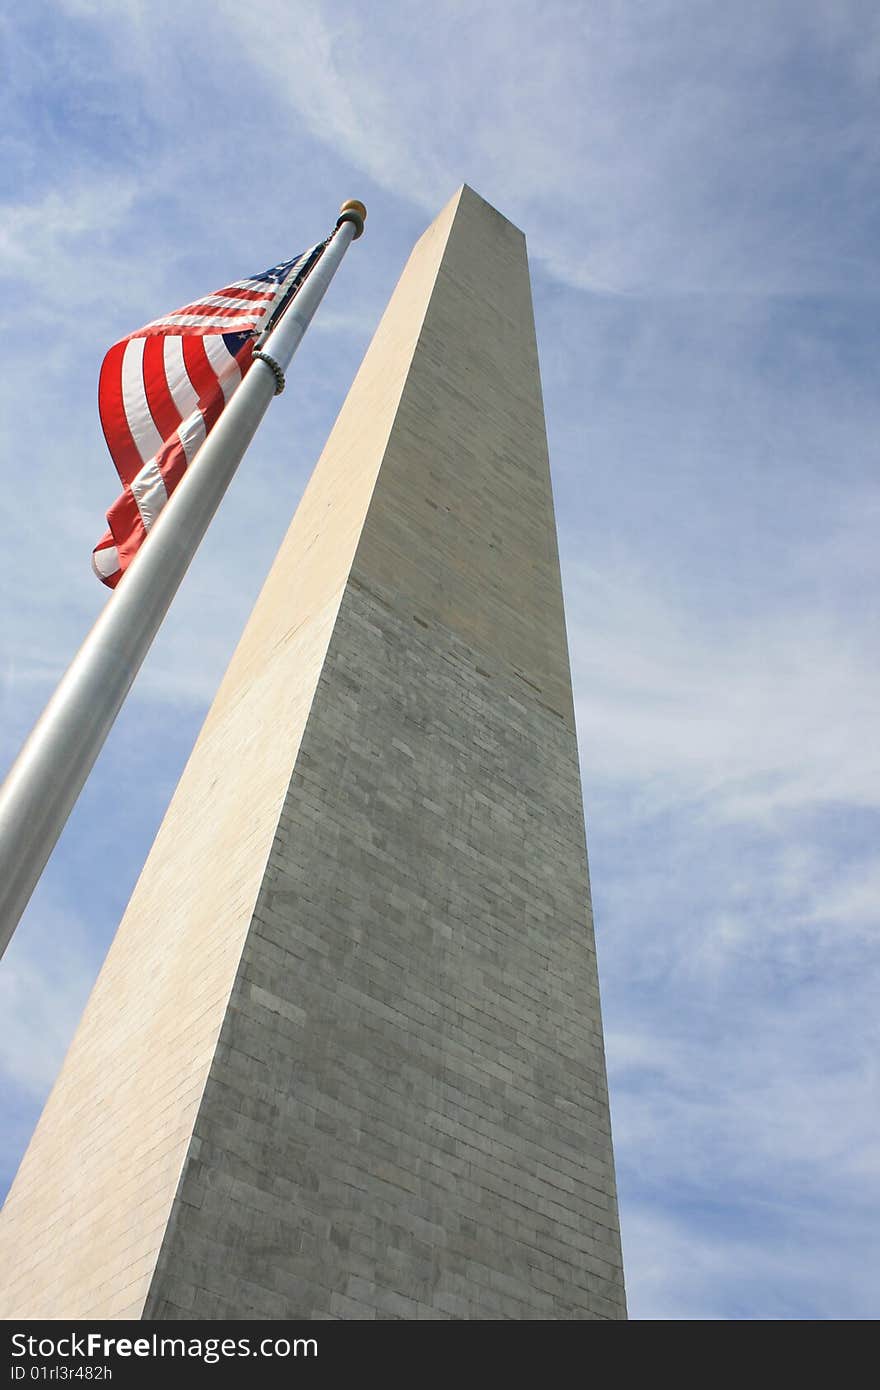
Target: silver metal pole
[50,770]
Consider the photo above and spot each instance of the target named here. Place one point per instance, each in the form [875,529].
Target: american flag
[163,388]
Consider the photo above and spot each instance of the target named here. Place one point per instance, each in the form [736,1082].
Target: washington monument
[345,1057]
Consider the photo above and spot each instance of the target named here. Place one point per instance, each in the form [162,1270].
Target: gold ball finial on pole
[353,211]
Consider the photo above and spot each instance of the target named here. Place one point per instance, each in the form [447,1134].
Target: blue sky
[699,189]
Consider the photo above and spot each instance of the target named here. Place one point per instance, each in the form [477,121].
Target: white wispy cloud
[771,1273]
[752,714]
[620,137]
[44,984]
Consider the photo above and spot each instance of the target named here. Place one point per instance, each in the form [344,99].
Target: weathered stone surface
[345,1058]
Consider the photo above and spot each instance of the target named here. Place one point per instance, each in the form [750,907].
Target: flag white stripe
[105,561]
[263,286]
[250,309]
[147,438]
[224,364]
[234,301]
[183,393]
[231,323]
[192,435]
[150,493]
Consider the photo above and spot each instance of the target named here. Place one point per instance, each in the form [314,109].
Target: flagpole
[48,775]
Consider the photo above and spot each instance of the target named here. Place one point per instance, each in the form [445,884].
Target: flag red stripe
[213,408]
[199,370]
[217,311]
[159,399]
[246,298]
[126,527]
[242,323]
[114,421]
[246,292]
[105,544]
[172,464]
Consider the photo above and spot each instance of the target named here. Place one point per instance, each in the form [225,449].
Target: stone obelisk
[345,1056]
